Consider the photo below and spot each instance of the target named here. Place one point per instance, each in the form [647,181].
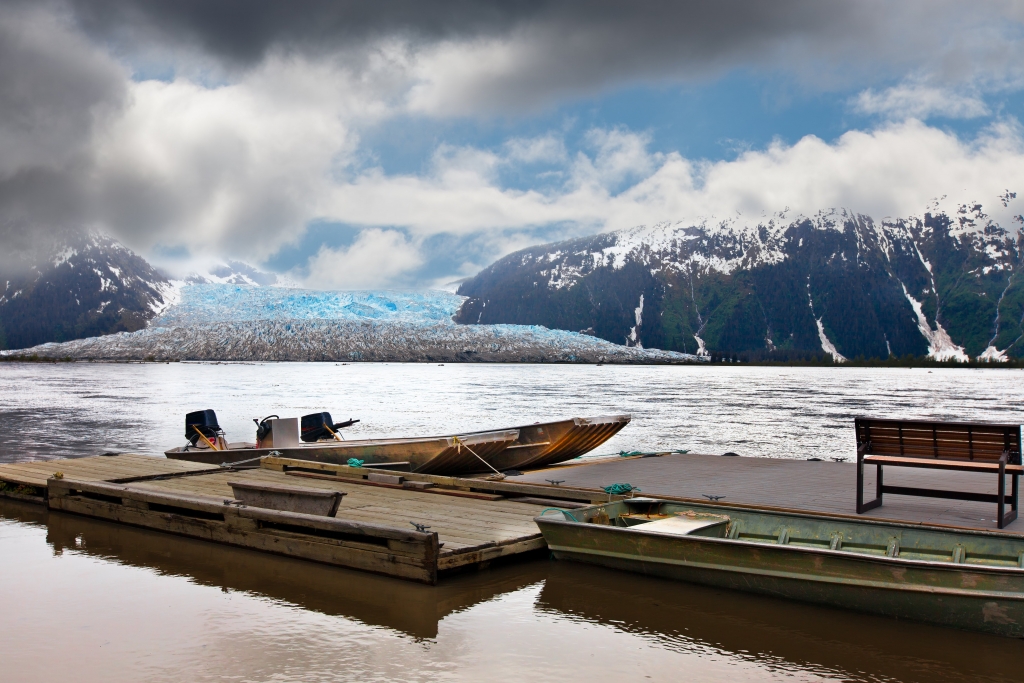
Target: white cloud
[378,258]
[238,168]
[619,156]
[919,101]
[895,170]
[544,149]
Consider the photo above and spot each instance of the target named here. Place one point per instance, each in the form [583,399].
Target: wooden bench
[956,446]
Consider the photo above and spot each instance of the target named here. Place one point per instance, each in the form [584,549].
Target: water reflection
[537,620]
[786,634]
[374,600]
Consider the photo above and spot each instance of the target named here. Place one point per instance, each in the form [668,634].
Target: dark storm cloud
[242,31]
[55,90]
[570,48]
[603,34]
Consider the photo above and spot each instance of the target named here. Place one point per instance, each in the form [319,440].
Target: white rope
[459,443]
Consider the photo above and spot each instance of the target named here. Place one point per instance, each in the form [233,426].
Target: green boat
[953,577]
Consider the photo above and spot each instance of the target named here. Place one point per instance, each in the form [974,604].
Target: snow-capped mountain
[89,285]
[244,322]
[237,273]
[945,284]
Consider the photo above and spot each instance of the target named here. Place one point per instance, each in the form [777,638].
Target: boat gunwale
[471,438]
[846,554]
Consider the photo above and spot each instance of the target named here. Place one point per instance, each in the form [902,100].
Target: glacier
[232,322]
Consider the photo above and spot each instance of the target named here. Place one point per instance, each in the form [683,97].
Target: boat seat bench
[954,446]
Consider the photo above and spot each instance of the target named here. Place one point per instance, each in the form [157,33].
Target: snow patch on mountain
[940,346]
[638,314]
[993,355]
[826,345]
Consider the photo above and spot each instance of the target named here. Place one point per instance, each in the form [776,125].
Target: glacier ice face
[250,323]
[221,303]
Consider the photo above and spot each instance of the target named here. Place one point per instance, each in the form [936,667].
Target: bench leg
[863,507]
[1001,495]
[1009,517]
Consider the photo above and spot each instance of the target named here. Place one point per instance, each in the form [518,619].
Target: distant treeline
[780,358]
[805,358]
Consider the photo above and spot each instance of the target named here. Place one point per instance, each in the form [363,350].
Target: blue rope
[352,462]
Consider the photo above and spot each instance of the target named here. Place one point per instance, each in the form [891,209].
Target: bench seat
[930,463]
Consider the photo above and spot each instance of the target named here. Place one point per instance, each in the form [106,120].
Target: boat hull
[434,455]
[548,443]
[974,597]
[528,447]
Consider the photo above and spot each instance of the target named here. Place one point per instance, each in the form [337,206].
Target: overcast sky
[408,144]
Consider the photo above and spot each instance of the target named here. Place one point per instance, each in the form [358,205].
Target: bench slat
[941,464]
[915,437]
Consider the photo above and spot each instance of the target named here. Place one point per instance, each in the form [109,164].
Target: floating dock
[408,526]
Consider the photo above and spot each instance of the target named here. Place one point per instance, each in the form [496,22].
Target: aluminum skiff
[532,447]
[961,578]
[431,455]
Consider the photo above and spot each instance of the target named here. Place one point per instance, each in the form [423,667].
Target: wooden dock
[439,525]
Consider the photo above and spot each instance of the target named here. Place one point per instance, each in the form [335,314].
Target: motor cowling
[318,426]
[201,422]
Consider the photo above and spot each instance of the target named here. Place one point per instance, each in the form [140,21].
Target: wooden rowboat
[431,455]
[968,579]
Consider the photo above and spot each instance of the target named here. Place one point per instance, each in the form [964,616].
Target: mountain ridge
[89,285]
[837,282]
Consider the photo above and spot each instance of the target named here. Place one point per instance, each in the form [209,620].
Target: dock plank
[95,468]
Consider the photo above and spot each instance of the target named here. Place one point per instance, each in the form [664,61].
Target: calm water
[86,600]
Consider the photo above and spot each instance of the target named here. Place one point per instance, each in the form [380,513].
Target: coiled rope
[619,489]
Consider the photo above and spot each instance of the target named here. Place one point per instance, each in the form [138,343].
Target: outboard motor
[320,426]
[201,422]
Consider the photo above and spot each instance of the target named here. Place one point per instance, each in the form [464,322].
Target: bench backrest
[939,440]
